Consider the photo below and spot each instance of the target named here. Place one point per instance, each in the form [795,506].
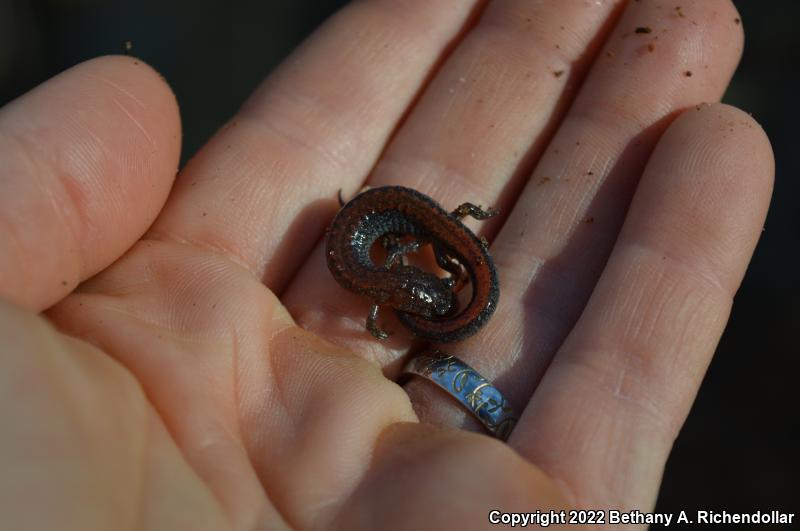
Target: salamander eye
[442,306]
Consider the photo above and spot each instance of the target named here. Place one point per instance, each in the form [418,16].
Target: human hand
[173,389]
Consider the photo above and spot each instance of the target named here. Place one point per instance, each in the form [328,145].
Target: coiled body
[425,304]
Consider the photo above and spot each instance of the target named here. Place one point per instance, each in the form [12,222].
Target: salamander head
[424,294]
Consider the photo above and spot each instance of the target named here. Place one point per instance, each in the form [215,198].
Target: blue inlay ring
[466,385]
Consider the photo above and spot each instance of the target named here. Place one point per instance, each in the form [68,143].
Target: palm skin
[196,367]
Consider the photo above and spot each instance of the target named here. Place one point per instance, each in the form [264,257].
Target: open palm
[212,375]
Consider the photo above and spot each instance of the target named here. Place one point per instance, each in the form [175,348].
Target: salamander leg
[396,250]
[458,273]
[468,209]
[372,324]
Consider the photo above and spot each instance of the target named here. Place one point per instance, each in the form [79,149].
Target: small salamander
[424,303]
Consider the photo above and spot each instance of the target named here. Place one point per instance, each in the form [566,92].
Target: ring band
[466,385]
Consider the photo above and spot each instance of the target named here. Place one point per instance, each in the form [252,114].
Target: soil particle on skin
[737,21]
[651,47]
[558,73]
[688,73]
[643,29]
[679,12]
[590,219]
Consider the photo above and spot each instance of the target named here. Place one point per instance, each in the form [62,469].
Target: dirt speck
[688,73]
[643,29]
[590,219]
[543,180]
[651,47]
[737,21]
[558,73]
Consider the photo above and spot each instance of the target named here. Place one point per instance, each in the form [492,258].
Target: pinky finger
[609,407]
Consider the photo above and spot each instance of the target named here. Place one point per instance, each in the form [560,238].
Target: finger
[81,447]
[615,396]
[472,135]
[554,245]
[88,160]
[262,189]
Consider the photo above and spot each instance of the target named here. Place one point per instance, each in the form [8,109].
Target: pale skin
[176,355]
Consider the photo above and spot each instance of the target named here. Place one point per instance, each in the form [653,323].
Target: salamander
[425,304]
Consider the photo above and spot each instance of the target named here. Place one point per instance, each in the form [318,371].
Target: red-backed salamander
[425,304]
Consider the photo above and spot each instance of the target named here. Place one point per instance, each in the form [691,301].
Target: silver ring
[466,385]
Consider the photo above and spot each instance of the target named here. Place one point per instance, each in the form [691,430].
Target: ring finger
[554,245]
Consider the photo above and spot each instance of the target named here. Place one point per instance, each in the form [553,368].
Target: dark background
[739,449]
